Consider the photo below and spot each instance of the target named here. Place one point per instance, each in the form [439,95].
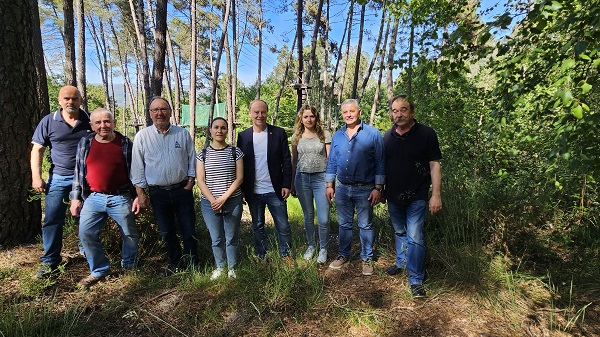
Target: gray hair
[104,111]
[351,101]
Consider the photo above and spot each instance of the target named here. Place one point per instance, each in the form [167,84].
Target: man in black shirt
[412,164]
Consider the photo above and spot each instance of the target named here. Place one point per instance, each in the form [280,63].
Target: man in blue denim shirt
[356,160]
[60,132]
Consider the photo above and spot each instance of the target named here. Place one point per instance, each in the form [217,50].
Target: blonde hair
[299,127]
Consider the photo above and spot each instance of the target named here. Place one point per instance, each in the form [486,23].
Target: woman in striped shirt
[220,172]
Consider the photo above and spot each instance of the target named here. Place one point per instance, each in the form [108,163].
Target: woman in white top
[220,172]
[310,148]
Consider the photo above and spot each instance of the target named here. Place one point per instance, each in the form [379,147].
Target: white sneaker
[322,256]
[216,274]
[231,273]
[310,251]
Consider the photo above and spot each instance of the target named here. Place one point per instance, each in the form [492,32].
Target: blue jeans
[171,207]
[224,230]
[408,236]
[347,199]
[309,187]
[56,203]
[96,210]
[278,209]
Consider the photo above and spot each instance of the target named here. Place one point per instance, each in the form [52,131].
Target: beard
[70,110]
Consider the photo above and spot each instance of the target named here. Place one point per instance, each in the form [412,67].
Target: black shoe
[46,270]
[393,270]
[417,290]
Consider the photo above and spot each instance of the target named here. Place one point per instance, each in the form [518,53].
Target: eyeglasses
[159,110]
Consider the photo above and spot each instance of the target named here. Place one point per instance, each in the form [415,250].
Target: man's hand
[375,197]
[135,206]
[39,185]
[329,193]
[435,204]
[142,200]
[76,207]
[285,193]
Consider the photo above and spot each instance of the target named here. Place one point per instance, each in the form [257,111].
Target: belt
[358,184]
[170,187]
[120,191]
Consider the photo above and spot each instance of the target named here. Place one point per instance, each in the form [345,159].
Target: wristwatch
[378,189]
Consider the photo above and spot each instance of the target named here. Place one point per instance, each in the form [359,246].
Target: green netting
[202,112]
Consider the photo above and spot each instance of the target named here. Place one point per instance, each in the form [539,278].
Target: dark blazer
[278,158]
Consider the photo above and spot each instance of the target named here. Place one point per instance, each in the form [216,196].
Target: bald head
[69,99]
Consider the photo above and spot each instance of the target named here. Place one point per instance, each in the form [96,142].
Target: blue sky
[284,29]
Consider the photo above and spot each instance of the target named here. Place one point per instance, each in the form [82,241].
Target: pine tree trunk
[213,96]
[19,218]
[69,41]
[390,60]
[158,66]
[350,15]
[411,47]
[260,46]
[313,42]
[376,53]
[194,45]
[358,50]
[81,80]
[379,76]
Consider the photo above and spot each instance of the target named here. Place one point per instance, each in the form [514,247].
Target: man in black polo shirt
[412,164]
[61,132]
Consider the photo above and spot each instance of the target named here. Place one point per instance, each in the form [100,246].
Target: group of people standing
[104,174]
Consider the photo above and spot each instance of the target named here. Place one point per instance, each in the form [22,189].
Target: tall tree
[313,42]
[260,24]
[282,84]
[139,23]
[390,59]
[376,52]
[158,65]
[19,218]
[194,46]
[347,54]
[299,37]
[358,49]
[40,70]
[81,80]
[411,50]
[177,86]
[379,75]
[335,70]
[215,83]
[69,41]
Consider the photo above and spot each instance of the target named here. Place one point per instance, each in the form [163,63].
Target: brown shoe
[368,267]
[288,259]
[339,262]
[89,281]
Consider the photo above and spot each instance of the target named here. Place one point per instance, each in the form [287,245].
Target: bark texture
[19,218]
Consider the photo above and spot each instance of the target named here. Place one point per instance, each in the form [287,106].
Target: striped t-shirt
[219,168]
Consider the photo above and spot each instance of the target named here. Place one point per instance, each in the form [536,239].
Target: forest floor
[350,304]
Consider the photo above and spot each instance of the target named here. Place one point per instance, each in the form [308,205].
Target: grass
[465,271]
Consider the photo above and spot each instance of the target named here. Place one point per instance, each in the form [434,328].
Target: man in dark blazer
[267,177]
